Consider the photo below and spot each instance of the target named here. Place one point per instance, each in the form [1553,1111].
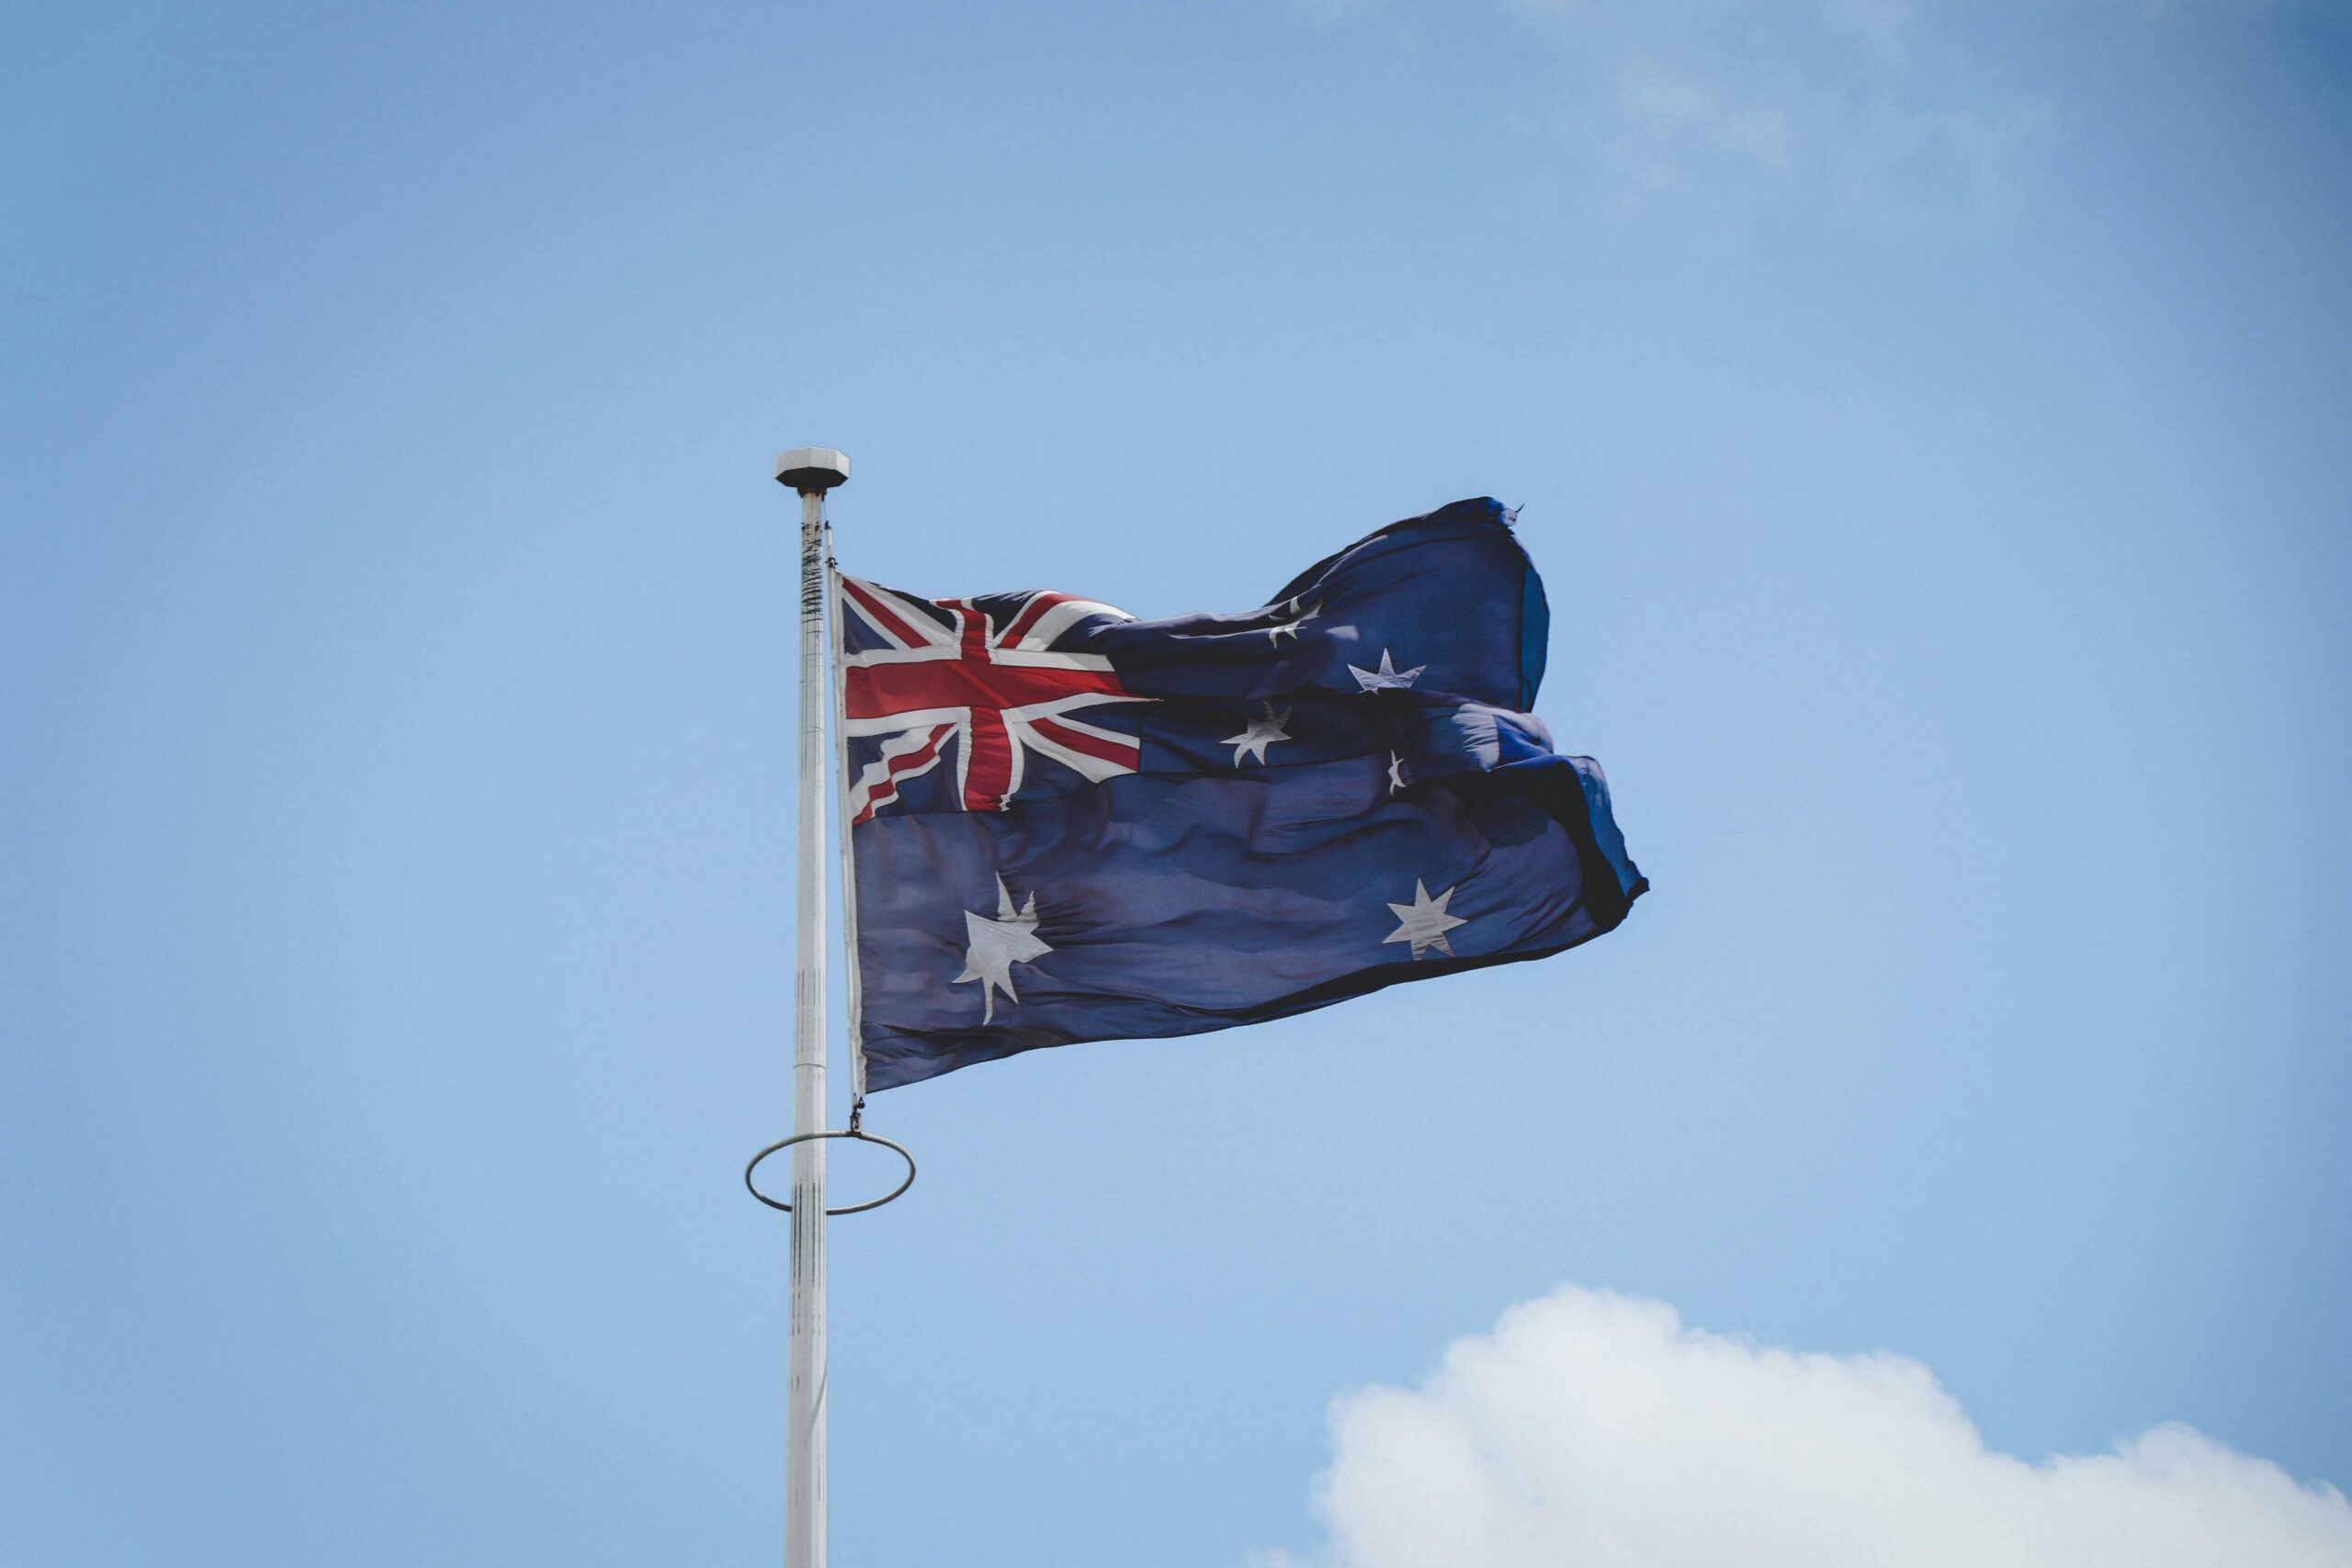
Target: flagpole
[811,470]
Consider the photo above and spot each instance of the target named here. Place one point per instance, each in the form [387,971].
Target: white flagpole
[811,470]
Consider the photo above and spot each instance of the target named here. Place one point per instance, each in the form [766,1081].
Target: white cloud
[1591,1430]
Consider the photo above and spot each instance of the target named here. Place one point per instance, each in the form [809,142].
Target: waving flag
[1069,824]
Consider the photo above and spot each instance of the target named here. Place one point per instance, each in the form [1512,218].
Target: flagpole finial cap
[812,468]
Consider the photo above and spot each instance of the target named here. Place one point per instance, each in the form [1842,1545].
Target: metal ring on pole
[862,1136]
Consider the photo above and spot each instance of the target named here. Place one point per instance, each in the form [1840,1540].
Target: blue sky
[1931,422]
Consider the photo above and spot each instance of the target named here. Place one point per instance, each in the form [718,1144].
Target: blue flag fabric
[1069,824]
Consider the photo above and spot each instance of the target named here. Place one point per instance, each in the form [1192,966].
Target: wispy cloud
[1331,10]
[1669,116]
[1839,104]
[1591,1429]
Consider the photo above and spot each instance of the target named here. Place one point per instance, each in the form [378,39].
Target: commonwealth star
[996,945]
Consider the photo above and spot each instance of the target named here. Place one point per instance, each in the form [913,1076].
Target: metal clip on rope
[852,1130]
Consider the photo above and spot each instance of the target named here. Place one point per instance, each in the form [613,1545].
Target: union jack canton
[991,679]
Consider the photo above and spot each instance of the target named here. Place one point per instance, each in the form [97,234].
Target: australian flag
[1069,824]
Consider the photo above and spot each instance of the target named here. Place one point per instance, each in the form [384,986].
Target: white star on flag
[1424,922]
[1274,634]
[1396,774]
[1388,675]
[1262,733]
[998,944]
